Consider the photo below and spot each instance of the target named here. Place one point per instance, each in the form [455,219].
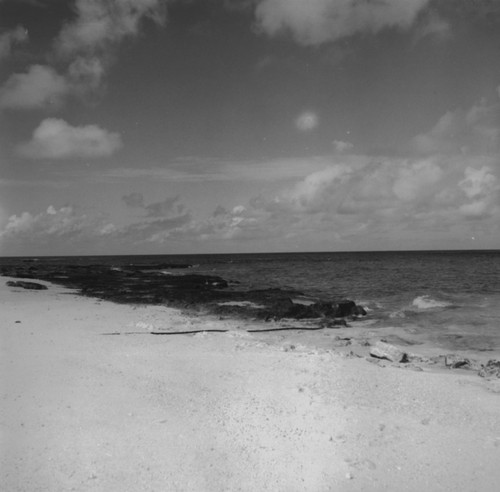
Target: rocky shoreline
[213,295]
[156,285]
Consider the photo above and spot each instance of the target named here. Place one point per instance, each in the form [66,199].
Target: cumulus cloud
[99,24]
[386,197]
[416,180]
[85,45]
[9,38]
[319,21]
[482,189]
[307,121]
[167,207]
[85,74]
[432,27]
[62,223]
[56,139]
[341,146]
[160,219]
[476,130]
[38,87]
[53,226]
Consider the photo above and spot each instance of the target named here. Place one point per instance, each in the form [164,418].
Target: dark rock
[349,308]
[490,370]
[345,308]
[454,361]
[26,285]
[382,350]
[333,323]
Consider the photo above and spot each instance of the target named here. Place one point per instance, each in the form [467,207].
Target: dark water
[452,297]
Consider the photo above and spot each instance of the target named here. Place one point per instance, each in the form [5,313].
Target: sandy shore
[85,411]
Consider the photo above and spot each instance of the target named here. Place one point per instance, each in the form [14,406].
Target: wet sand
[290,411]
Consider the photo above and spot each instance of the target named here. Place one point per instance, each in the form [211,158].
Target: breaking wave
[427,302]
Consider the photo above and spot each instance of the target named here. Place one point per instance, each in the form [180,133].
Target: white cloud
[56,226]
[482,189]
[98,24]
[475,131]
[416,180]
[307,121]
[432,27]
[169,207]
[85,43]
[9,38]
[38,87]
[56,139]
[63,222]
[314,22]
[318,190]
[341,146]
[415,198]
[86,74]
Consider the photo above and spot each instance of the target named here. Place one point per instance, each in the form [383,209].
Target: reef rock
[491,369]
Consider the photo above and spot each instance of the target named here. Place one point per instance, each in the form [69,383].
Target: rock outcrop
[490,370]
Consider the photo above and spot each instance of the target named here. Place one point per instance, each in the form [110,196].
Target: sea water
[452,298]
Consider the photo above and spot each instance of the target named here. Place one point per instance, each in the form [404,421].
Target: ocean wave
[427,302]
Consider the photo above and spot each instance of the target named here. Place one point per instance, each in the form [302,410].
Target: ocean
[450,298]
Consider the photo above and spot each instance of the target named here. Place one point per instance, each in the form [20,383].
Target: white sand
[223,411]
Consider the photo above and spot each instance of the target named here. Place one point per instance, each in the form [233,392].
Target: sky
[231,126]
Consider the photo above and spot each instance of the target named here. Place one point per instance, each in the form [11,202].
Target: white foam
[426,302]
[241,304]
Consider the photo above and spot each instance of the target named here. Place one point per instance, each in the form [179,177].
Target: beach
[91,401]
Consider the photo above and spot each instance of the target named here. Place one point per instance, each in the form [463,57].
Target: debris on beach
[26,285]
[382,350]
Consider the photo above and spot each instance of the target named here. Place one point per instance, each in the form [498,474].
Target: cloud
[432,27]
[62,223]
[307,121]
[319,21]
[416,180]
[341,146]
[9,38]
[386,198]
[85,45]
[86,74]
[99,24]
[474,131]
[55,226]
[134,200]
[40,86]
[194,169]
[56,139]
[161,219]
[482,188]
[167,207]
